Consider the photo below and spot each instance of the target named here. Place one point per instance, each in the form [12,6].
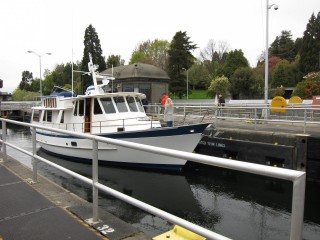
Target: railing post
[34,152]
[4,139]
[255,118]
[305,120]
[94,180]
[298,197]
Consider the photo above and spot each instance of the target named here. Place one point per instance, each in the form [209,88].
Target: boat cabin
[110,112]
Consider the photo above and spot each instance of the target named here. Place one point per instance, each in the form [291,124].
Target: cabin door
[87,117]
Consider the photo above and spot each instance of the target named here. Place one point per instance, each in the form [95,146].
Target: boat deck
[44,210]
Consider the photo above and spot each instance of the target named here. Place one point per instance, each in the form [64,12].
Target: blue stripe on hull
[155,132]
[158,132]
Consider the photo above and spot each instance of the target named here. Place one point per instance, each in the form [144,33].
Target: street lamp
[187,83]
[40,55]
[266,60]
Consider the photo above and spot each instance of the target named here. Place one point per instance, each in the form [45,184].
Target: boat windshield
[121,104]
[132,104]
[139,104]
[107,105]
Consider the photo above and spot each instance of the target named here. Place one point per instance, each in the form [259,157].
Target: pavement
[274,126]
[45,211]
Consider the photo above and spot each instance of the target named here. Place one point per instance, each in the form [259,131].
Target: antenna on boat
[92,69]
[105,78]
[112,76]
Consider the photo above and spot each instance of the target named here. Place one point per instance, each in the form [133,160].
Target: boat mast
[92,69]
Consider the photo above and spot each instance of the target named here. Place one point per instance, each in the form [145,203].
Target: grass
[196,94]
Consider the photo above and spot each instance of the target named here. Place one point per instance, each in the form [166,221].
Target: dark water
[233,204]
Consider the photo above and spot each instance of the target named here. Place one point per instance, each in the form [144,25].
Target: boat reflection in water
[234,204]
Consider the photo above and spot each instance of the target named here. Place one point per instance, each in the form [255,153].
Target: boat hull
[183,138]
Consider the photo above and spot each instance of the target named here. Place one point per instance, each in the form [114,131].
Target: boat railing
[110,125]
[298,178]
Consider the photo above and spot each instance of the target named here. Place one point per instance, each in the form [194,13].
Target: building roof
[137,70]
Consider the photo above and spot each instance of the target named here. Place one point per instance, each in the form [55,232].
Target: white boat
[118,115]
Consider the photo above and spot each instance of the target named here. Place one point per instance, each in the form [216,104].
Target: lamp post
[40,55]
[187,83]
[266,71]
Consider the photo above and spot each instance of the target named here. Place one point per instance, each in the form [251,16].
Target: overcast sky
[58,26]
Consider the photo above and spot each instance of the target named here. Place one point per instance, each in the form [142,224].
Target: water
[234,204]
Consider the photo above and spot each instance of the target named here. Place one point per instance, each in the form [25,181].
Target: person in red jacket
[163,101]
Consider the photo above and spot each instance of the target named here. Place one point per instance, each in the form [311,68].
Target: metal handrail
[255,114]
[297,177]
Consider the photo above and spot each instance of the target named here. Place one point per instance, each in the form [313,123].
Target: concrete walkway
[45,211]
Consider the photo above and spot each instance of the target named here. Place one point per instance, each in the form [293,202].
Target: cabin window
[96,107]
[121,104]
[75,108]
[132,104]
[36,115]
[140,105]
[49,115]
[81,107]
[107,105]
[62,117]
[44,116]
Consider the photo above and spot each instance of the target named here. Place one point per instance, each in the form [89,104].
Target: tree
[214,55]
[246,83]
[283,46]
[35,85]
[48,85]
[152,52]
[279,91]
[26,80]
[62,74]
[92,46]
[282,75]
[113,61]
[219,85]
[308,87]
[235,60]
[198,76]
[310,47]
[180,58]
[24,95]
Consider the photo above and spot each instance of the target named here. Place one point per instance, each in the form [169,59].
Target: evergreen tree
[310,48]
[180,59]
[283,46]
[91,45]
[26,80]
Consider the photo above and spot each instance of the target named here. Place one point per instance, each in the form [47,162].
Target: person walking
[221,103]
[168,112]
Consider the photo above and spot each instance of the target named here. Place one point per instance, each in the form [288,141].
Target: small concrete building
[140,77]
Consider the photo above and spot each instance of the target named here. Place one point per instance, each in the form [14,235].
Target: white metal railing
[292,114]
[103,126]
[297,177]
